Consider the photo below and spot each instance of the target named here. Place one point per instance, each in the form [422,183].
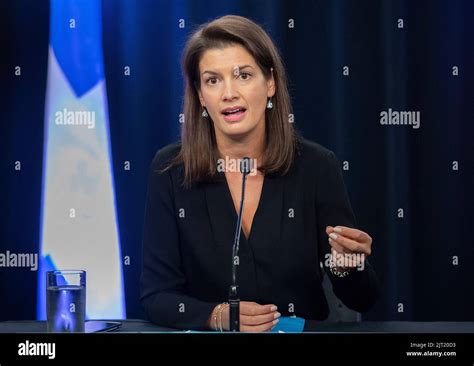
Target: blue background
[391,167]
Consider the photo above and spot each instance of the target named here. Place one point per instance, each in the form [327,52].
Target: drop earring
[204,113]
[269,104]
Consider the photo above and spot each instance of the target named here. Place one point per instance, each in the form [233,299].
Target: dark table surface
[142,326]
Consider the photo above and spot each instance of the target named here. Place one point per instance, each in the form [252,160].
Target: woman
[296,212]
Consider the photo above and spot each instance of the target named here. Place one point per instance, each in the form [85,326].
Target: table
[141,326]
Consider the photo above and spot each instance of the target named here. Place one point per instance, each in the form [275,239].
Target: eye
[211,81]
[244,76]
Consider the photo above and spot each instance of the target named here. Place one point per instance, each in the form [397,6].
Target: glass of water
[66,301]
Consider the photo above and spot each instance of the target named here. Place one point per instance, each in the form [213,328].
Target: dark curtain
[403,183]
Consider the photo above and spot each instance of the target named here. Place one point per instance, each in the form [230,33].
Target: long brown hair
[198,141]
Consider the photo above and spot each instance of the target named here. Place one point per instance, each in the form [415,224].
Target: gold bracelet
[214,316]
[221,309]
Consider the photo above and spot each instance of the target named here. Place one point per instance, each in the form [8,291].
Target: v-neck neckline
[234,210]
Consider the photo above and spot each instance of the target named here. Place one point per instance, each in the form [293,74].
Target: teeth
[233,111]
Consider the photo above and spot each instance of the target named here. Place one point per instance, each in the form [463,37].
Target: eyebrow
[216,73]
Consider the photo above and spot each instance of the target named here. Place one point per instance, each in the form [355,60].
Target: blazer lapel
[221,211]
[266,225]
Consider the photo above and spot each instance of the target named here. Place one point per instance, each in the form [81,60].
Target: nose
[230,93]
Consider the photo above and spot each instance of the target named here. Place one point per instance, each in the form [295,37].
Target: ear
[271,87]
[201,99]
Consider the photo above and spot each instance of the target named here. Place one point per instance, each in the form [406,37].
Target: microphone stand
[234,301]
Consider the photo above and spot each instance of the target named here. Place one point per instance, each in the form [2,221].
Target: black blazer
[188,237]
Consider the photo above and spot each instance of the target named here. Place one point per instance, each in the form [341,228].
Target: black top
[188,237]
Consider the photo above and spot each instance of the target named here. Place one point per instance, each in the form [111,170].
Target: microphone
[234,301]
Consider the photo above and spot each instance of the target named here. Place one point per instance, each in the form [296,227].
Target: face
[232,81]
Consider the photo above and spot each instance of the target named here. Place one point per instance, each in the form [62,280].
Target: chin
[237,129]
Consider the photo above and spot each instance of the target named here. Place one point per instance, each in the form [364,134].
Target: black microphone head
[245,165]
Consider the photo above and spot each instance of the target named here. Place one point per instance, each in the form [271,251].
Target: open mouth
[234,114]
[233,111]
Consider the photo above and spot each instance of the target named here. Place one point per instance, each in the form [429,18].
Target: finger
[350,244]
[354,234]
[252,309]
[259,328]
[336,246]
[259,319]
